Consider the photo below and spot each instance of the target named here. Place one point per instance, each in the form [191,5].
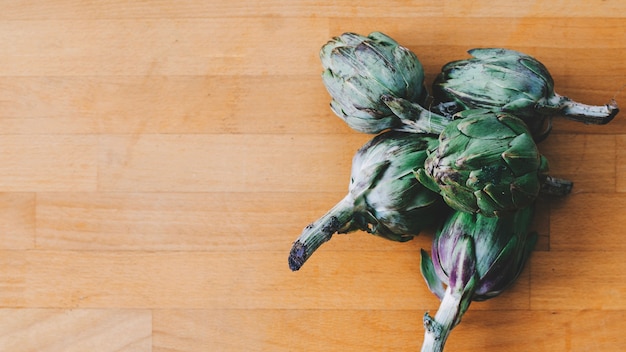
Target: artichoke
[476,258]
[358,70]
[384,198]
[510,81]
[485,162]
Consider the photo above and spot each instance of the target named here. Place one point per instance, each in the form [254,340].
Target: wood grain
[306,330]
[56,163]
[162,47]
[586,159]
[572,236]
[578,280]
[75,330]
[226,162]
[158,159]
[168,105]
[17,220]
[194,221]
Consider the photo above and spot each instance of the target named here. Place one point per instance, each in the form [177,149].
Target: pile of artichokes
[462,160]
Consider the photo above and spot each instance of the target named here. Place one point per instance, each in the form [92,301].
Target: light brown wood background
[158,158]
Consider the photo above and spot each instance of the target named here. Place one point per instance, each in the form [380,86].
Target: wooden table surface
[158,159]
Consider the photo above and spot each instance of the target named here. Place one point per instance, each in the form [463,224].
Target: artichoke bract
[476,258]
[358,70]
[485,162]
[507,80]
[384,198]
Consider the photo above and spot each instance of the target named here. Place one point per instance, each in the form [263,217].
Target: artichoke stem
[449,314]
[320,231]
[588,114]
[427,122]
[559,187]
[414,117]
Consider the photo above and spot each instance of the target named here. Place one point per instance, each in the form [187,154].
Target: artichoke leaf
[540,70]
[492,53]
[426,180]
[463,267]
[522,155]
[488,128]
[522,196]
[467,205]
[435,285]
[488,206]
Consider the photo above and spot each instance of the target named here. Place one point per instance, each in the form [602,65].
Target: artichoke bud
[477,258]
[500,247]
[359,70]
[384,198]
[486,163]
[510,81]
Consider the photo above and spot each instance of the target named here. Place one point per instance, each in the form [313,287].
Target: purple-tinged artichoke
[384,198]
[510,81]
[359,70]
[474,258]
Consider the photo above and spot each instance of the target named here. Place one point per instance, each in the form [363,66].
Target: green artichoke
[510,81]
[476,258]
[358,70]
[384,198]
[485,162]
